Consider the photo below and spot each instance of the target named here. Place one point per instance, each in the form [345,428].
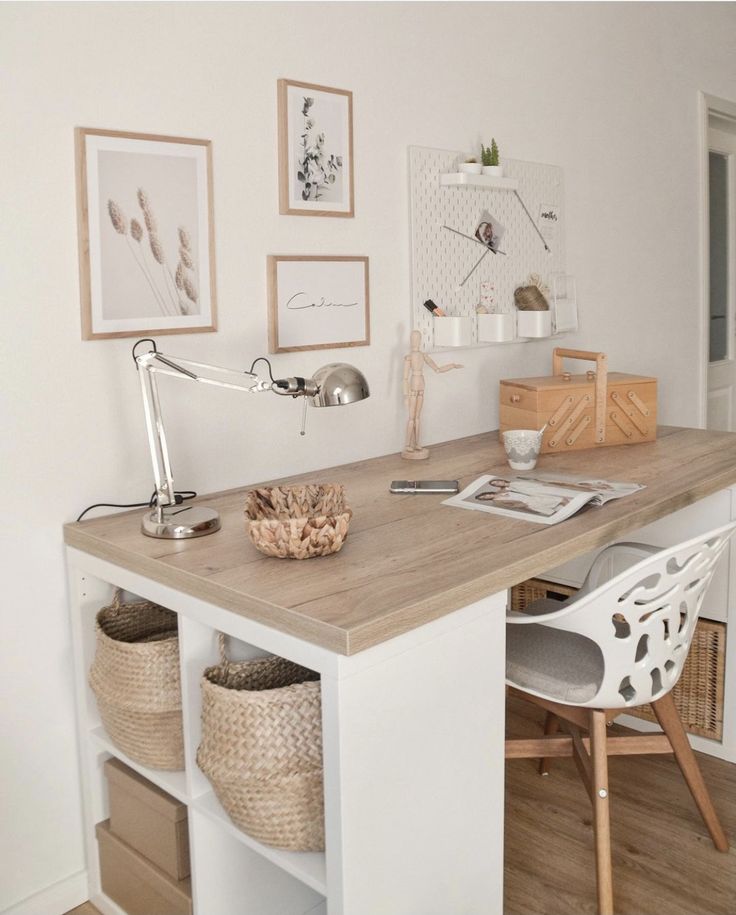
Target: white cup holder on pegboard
[534,323]
[496,328]
[452,330]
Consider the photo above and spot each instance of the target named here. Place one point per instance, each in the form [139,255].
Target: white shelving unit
[380,722]
[228,866]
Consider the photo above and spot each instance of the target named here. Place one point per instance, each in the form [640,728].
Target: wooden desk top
[408,559]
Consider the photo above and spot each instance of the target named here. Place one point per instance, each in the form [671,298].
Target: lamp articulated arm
[333,385]
[154,363]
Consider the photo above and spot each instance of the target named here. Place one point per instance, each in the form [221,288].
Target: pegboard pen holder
[453,330]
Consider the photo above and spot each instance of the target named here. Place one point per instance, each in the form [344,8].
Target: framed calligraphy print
[317,302]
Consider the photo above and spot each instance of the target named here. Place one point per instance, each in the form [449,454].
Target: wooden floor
[663,860]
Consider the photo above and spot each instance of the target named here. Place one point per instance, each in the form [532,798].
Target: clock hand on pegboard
[477,242]
[471,238]
[531,220]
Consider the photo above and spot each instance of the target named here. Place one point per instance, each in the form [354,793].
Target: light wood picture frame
[317,302]
[316,176]
[146,234]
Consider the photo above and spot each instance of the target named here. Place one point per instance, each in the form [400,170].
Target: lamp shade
[337,384]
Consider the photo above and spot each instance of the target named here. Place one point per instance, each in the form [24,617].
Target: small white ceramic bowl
[522,448]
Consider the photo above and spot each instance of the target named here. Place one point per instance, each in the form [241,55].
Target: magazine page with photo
[603,490]
[536,498]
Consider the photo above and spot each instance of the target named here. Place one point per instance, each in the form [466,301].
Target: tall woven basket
[135,678]
[262,748]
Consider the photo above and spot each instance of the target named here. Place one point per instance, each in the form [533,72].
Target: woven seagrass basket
[298,522]
[135,678]
[698,694]
[535,588]
[261,748]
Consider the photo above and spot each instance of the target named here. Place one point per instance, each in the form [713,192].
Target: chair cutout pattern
[620,642]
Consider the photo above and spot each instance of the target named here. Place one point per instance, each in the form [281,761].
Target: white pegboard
[441,259]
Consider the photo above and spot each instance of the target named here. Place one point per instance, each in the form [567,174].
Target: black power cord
[179,497]
[261,359]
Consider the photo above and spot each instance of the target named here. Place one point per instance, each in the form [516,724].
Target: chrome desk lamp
[333,385]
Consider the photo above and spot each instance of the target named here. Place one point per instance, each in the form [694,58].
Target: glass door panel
[720,320]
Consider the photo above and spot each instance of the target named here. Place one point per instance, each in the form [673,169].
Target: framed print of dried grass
[317,302]
[146,234]
[315,150]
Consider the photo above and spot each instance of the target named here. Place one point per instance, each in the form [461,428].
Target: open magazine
[534,495]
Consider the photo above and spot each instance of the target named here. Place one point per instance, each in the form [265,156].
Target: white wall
[607,91]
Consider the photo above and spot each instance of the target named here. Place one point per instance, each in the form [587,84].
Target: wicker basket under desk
[534,589]
[698,694]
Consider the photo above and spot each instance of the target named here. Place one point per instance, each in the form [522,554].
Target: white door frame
[707,105]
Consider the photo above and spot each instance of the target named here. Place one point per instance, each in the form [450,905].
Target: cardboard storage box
[136,885]
[581,411]
[148,819]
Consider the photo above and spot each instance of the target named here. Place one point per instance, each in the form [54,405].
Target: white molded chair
[619,642]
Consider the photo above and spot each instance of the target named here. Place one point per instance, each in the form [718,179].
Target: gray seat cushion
[559,665]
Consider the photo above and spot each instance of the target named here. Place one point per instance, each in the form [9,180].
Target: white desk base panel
[413,733]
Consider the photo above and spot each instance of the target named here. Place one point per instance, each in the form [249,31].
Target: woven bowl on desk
[298,522]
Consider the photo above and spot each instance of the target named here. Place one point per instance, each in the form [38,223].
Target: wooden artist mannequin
[414,363]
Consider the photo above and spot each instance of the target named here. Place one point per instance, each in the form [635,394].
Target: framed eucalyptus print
[146,235]
[315,150]
[317,302]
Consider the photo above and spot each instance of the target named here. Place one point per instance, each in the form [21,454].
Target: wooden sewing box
[589,410]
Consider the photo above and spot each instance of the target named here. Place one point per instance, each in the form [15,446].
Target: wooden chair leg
[671,723]
[601,812]
[551,726]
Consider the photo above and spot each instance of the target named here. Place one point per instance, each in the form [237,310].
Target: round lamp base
[181,522]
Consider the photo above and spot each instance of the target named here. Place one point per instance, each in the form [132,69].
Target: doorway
[719,264]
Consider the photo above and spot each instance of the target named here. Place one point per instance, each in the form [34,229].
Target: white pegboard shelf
[483,344]
[463,179]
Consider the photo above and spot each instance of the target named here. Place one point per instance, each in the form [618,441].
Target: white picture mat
[172,211]
[334,293]
[331,114]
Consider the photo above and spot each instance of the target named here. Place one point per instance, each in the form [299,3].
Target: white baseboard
[55,899]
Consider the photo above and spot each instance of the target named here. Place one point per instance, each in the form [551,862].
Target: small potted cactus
[489,158]
[471,166]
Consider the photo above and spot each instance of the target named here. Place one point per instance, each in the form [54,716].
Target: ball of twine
[530,298]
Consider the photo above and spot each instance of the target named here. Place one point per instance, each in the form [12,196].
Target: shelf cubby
[308,867]
[173,782]
[231,877]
